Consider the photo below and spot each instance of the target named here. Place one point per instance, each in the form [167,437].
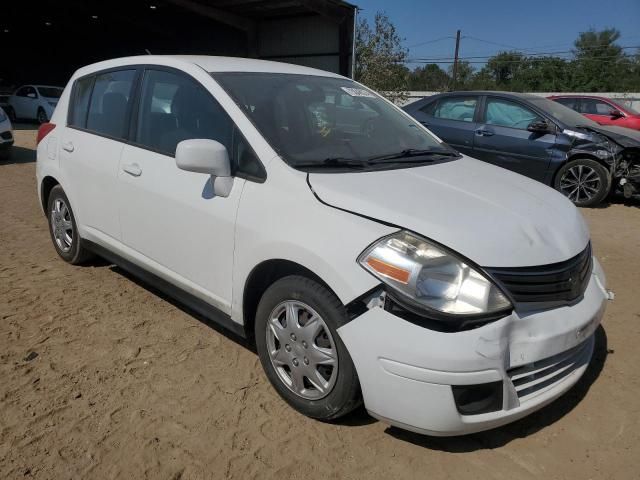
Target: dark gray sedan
[535,137]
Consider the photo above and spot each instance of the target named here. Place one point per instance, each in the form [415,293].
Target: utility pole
[455,61]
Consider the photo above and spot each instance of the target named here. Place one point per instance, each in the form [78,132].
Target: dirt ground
[102,378]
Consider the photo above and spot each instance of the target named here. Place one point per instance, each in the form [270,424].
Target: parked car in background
[34,102]
[371,263]
[605,111]
[6,134]
[536,137]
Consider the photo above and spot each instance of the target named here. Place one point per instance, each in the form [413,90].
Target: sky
[532,26]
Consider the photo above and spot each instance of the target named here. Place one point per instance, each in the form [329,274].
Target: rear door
[91,146]
[169,216]
[453,119]
[502,138]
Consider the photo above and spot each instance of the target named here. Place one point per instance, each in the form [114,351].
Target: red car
[603,110]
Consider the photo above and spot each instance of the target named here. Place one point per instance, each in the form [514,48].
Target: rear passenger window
[80,103]
[429,108]
[456,108]
[109,103]
[567,102]
[174,108]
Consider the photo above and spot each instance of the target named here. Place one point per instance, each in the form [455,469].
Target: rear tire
[583,181]
[300,363]
[42,116]
[64,229]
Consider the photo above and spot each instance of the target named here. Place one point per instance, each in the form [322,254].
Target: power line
[431,41]
[439,59]
[604,59]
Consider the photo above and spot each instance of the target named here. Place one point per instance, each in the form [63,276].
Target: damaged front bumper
[442,384]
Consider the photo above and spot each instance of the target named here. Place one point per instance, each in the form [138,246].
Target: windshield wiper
[334,162]
[413,152]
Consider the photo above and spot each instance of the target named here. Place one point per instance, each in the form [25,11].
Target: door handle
[67,147]
[132,169]
[425,124]
[484,133]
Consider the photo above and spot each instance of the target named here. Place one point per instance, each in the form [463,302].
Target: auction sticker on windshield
[358,92]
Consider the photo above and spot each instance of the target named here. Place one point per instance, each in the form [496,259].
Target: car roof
[569,95]
[528,96]
[209,64]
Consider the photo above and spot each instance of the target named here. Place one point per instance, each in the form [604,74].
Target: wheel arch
[264,275]
[579,156]
[46,186]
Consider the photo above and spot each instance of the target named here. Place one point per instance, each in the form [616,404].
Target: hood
[490,215]
[625,137]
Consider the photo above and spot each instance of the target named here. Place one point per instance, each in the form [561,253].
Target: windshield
[312,120]
[563,114]
[50,92]
[628,105]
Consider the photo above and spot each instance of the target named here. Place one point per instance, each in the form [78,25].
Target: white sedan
[34,102]
[6,135]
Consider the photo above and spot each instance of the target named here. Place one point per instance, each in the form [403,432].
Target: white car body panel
[5,126]
[166,221]
[492,216]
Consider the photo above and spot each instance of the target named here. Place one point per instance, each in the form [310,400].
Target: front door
[502,138]
[183,232]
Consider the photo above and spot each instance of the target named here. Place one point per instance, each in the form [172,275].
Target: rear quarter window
[79,105]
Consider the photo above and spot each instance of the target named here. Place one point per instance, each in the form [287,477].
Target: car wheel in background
[584,181]
[300,350]
[42,116]
[63,228]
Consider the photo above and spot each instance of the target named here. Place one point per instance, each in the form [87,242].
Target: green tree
[465,76]
[429,78]
[380,57]
[599,62]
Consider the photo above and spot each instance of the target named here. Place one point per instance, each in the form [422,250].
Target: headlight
[430,277]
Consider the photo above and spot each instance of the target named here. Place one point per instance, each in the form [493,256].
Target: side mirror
[539,126]
[207,156]
[32,95]
[615,113]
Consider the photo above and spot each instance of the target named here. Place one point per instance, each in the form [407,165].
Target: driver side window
[505,113]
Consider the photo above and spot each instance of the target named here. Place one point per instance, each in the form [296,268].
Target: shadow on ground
[19,155]
[524,427]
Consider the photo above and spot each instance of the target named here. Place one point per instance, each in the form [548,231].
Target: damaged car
[373,264]
[539,138]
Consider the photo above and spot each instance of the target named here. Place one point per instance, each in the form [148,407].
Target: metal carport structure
[46,40]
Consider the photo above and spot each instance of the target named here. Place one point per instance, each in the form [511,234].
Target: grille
[537,377]
[6,135]
[564,281]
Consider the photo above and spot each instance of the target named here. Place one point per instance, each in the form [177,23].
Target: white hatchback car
[366,259]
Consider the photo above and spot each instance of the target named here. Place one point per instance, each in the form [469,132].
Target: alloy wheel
[61,225]
[302,350]
[580,183]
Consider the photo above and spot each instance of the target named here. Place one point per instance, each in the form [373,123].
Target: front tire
[583,181]
[63,228]
[300,349]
